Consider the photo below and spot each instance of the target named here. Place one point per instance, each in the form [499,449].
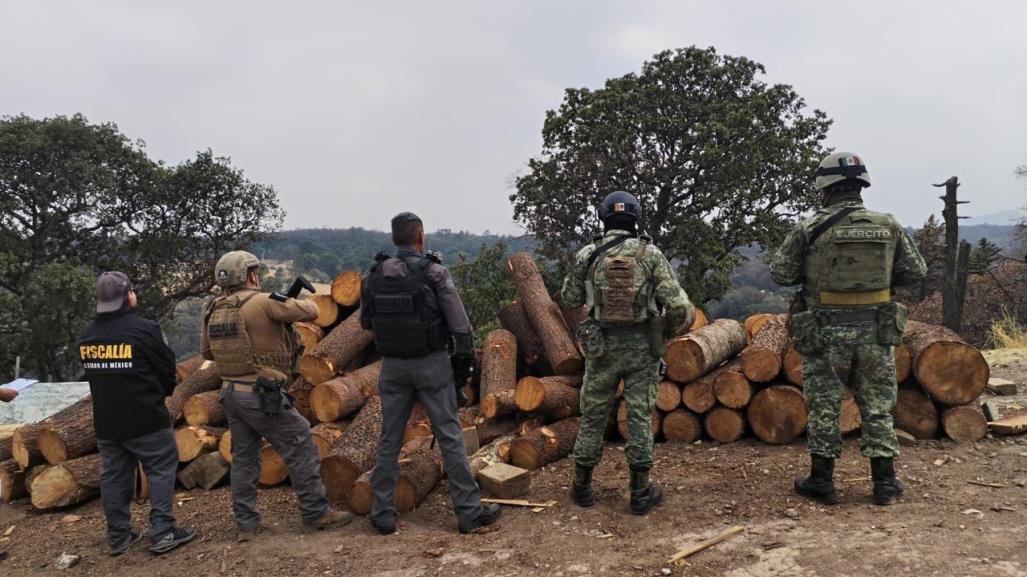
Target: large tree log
[420,470]
[550,397]
[345,395]
[700,320]
[903,363]
[559,346]
[778,414]
[699,352]
[25,447]
[12,481]
[849,418]
[762,359]
[730,386]
[496,405]
[950,371]
[682,426]
[497,451]
[300,390]
[916,414]
[724,425]
[69,433]
[964,423]
[204,409]
[668,396]
[792,364]
[5,448]
[273,470]
[572,317]
[354,452]
[343,344]
[188,367]
[498,372]
[492,429]
[753,324]
[656,422]
[195,441]
[346,288]
[206,471]
[31,474]
[204,379]
[325,435]
[327,310]
[513,318]
[698,396]
[544,445]
[309,334]
[69,483]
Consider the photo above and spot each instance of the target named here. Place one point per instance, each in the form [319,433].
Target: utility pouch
[271,396]
[806,330]
[891,323]
[590,335]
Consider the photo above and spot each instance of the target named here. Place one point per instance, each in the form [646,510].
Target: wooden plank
[471,441]
[1002,387]
[680,556]
[505,481]
[1011,425]
[519,503]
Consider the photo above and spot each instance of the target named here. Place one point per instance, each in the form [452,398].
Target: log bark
[12,481]
[5,448]
[346,288]
[31,474]
[668,396]
[25,447]
[558,345]
[950,371]
[698,396]
[496,405]
[964,423]
[204,379]
[195,441]
[204,409]
[300,390]
[550,397]
[188,367]
[778,414]
[345,395]
[656,421]
[498,372]
[492,429]
[513,318]
[207,471]
[69,433]
[849,419]
[343,344]
[753,324]
[699,352]
[544,445]
[572,317]
[730,386]
[69,483]
[309,334]
[903,363]
[327,310]
[420,470]
[682,426]
[916,414]
[325,435]
[762,359]
[354,452]
[724,425]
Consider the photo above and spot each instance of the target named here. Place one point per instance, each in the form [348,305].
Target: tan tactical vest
[230,343]
[619,290]
[851,264]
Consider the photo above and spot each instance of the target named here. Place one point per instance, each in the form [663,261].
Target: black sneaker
[490,513]
[172,539]
[126,543]
[384,528]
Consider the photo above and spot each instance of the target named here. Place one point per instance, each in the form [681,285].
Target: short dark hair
[848,185]
[405,228]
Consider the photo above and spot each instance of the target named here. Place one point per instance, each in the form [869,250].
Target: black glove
[464,368]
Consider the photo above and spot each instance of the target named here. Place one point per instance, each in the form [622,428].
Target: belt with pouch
[828,317]
[238,387]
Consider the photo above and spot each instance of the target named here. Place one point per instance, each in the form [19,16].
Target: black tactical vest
[404,325]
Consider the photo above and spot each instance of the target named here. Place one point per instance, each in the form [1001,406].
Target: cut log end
[346,288]
[315,369]
[52,446]
[681,426]
[964,424]
[725,425]
[778,414]
[338,475]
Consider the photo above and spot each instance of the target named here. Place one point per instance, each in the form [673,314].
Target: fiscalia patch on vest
[222,330]
[862,233]
[394,304]
[106,356]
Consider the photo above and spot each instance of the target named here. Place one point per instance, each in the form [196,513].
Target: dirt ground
[945,526]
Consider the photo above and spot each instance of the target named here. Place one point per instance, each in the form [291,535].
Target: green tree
[58,301]
[485,285]
[718,158]
[984,256]
[930,240]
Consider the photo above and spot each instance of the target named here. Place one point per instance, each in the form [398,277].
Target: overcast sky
[356,111]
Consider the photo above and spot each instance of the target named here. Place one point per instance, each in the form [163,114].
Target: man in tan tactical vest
[247,333]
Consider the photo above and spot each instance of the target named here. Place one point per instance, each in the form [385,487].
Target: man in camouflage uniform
[845,324]
[635,304]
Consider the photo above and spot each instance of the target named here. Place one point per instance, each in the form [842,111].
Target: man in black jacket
[130,370]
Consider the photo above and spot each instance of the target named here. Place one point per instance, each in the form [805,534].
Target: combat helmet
[839,167]
[619,203]
[230,271]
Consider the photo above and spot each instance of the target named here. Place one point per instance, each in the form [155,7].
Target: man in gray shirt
[412,305]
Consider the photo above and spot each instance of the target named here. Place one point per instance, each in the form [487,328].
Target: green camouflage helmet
[230,271]
[841,166]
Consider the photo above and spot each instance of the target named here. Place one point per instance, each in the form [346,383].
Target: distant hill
[1004,217]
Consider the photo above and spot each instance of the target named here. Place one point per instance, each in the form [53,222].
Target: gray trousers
[158,454]
[289,433]
[428,379]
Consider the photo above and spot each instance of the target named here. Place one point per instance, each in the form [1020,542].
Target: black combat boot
[581,488]
[820,483]
[887,489]
[644,494]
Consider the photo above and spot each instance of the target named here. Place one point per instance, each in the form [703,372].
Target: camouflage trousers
[626,357]
[851,356]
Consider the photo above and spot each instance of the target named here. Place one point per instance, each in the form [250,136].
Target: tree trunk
[420,470]
[497,451]
[300,390]
[225,446]
[572,317]
[309,334]
[5,448]
[753,324]
[903,363]
[730,386]
[188,367]
[778,414]
[204,379]
[698,396]
[498,372]
[550,397]
[850,419]
[25,447]
[204,409]
[354,452]
[544,445]
[916,414]
[32,473]
[346,288]
[491,429]
[668,396]
[496,405]
[195,441]
[762,359]
[327,310]
[559,346]
[791,365]
[656,421]
[207,471]
[950,371]
[699,352]
[964,423]
[345,395]
[325,435]
[724,425]
[515,319]
[69,483]
[69,433]
[681,426]
[12,481]
[273,470]
[343,344]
